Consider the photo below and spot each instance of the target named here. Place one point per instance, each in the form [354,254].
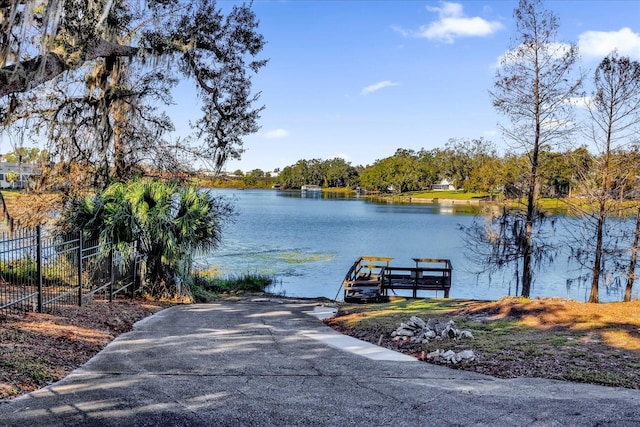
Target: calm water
[309,243]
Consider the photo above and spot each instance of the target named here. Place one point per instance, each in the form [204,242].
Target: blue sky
[359,79]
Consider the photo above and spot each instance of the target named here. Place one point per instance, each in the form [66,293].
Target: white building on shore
[22,172]
[443,185]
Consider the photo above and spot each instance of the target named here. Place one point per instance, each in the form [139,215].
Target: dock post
[415,281]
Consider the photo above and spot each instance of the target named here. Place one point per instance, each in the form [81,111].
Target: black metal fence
[39,271]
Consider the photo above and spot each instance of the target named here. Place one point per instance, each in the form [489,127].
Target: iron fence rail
[39,271]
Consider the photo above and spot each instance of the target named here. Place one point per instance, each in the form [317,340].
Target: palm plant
[168,223]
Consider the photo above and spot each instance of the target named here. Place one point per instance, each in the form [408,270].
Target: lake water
[307,243]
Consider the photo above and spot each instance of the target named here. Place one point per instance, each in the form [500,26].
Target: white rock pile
[451,356]
[417,330]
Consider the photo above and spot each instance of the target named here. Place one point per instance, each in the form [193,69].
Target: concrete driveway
[271,362]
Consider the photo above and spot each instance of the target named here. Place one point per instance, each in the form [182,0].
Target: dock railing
[429,274]
[364,278]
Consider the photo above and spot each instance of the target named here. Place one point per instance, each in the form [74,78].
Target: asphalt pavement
[271,362]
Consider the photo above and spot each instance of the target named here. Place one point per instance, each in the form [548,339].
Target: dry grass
[544,338]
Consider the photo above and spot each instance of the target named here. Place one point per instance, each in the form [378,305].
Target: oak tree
[91,78]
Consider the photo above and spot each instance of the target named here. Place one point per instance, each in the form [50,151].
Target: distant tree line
[326,173]
[471,165]
[256,178]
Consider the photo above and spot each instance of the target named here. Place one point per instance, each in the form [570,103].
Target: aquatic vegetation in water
[283,263]
[209,271]
[301,257]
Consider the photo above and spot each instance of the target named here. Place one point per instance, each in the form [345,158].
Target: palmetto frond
[168,223]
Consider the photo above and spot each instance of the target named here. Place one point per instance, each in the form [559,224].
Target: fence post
[136,266]
[80,268]
[39,266]
[113,276]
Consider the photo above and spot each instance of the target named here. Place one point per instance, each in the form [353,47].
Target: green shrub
[167,222]
[206,287]
[20,271]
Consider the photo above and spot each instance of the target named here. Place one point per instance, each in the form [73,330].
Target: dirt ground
[39,349]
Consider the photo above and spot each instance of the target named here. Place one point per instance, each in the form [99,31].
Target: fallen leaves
[38,349]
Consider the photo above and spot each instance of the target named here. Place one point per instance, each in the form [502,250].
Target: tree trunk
[118,154]
[527,268]
[632,262]
[602,214]
[595,281]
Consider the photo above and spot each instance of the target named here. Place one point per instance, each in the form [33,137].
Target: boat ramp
[371,278]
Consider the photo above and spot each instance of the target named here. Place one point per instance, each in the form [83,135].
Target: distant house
[23,172]
[444,185]
[634,193]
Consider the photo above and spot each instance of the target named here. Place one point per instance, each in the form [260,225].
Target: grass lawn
[447,194]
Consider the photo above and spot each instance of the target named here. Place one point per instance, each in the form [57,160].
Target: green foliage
[12,177]
[448,194]
[200,294]
[205,287]
[37,370]
[329,173]
[167,222]
[461,157]
[252,178]
[339,173]
[25,155]
[473,166]
[20,271]
[582,375]
[24,271]
[299,257]
[405,171]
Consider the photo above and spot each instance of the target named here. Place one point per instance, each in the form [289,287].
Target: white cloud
[276,134]
[598,44]
[453,24]
[343,156]
[377,86]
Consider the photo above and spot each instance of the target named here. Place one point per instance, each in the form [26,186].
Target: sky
[359,79]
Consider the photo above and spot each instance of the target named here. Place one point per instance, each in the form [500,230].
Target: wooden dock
[371,278]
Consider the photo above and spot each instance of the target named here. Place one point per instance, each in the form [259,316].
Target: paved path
[271,363]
